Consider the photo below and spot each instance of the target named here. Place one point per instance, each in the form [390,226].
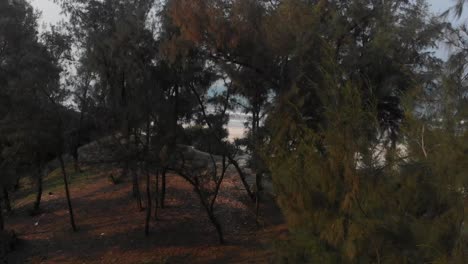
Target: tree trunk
[37,203]
[211,216]
[80,124]
[148,198]
[76,164]
[136,190]
[148,178]
[156,195]
[67,192]
[163,188]
[6,197]
[230,158]
[256,160]
[215,222]
[258,192]
[218,184]
[242,177]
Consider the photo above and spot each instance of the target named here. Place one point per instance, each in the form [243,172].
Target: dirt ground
[111,228]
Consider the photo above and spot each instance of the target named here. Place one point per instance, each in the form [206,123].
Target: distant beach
[236,127]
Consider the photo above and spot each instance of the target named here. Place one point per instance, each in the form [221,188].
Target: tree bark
[163,188]
[256,159]
[76,164]
[242,177]
[83,110]
[205,205]
[148,178]
[156,195]
[215,222]
[258,192]
[37,203]
[67,192]
[218,184]
[136,190]
[148,198]
[211,216]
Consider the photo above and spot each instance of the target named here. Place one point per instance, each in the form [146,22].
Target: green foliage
[344,207]
[362,129]
[30,90]
[340,70]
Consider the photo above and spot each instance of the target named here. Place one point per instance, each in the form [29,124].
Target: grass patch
[53,182]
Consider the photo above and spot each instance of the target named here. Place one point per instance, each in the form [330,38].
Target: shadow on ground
[111,227]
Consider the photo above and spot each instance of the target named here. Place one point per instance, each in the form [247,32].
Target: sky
[51,15]
[51,12]
[440,5]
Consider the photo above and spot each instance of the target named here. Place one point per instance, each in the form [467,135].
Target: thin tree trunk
[76,164]
[37,203]
[67,192]
[211,216]
[215,222]
[258,184]
[256,159]
[148,198]
[230,158]
[136,184]
[6,197]
[218,184]
[163,188]
[148,179]
[80,124]
[156,195]
[242,177]
[173,143]
[207,207]
[136,190]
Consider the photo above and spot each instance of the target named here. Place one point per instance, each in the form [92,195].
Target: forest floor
[111,228]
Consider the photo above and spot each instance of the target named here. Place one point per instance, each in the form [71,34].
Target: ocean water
[236,125]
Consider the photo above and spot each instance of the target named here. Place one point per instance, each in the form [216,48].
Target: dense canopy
[360,129]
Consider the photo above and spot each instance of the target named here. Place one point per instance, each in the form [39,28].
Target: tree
[340,70]
[457,8]
[117,51]
[29,76]
[345,203]
[32,128]
[360,126]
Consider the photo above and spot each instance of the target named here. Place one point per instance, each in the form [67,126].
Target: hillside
[182,231]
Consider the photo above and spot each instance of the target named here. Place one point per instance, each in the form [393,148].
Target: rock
[104,150]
